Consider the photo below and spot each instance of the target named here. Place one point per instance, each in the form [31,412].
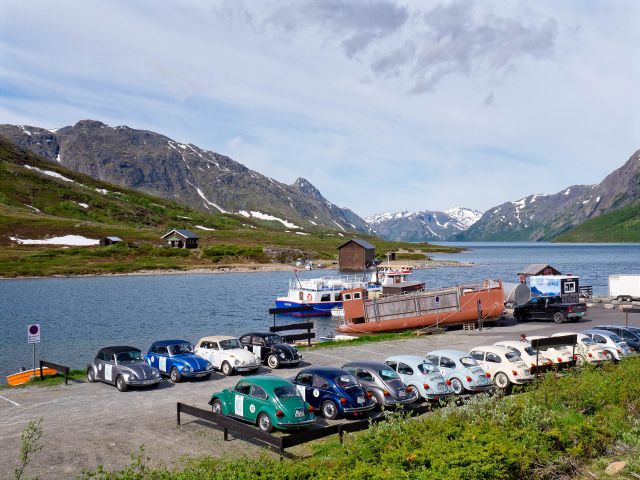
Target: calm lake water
[80,315]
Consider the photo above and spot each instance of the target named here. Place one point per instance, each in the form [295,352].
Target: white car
[529,354]
[587,350]
[611,342]
[505,366]
[561,357]
[226,354]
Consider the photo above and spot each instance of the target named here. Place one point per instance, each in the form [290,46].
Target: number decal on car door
[257,351]
[162,361]
[303,391]
[239,405]
[108,372]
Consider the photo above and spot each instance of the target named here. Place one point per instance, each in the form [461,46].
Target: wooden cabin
[181,239]
[537,269]
[109,241]
[356,255]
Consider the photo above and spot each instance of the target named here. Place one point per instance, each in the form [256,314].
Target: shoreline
[233,268]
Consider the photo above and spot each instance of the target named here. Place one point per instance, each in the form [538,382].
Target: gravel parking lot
[86,425]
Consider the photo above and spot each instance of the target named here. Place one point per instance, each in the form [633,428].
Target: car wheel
[329,410]
[216,407]
[502,381]
[174,375]
[456,386]
[91,375]
[273,361]
[227,370]
[121,384]
[264,423]
[558,317]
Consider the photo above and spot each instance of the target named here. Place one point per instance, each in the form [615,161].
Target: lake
[80,315]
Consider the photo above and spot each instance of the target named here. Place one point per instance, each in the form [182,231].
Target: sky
[382,105]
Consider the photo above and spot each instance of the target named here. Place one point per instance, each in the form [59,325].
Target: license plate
[402,393]
[360,400]
[299,413]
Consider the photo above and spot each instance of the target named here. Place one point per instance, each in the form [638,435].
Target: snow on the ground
[343,229]
[301,233]
[37,210]
[186,218]
[58,159]
[83,205]
[103,191]
[77,240]
[205,228]
[208,202]
[49,172]
[311,221]
[266,216]
[465,216]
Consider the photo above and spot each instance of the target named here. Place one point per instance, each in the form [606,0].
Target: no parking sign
[33,333]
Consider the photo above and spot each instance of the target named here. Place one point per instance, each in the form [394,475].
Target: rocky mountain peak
[307,188]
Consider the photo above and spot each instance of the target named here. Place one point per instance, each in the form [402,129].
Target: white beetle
[505,366]
[586,349]
[528,354]
[226,354]
[560,356]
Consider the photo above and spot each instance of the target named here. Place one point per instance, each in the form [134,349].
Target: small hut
[109,241]
[537,269]
[356,255]
[181,239]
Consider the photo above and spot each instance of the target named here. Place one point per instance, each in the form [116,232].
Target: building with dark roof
[181,239]
[356,255]
[110,241]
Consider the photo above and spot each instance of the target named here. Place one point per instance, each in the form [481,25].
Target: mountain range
[202,179]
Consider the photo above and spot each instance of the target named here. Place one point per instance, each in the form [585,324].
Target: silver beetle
[123,367]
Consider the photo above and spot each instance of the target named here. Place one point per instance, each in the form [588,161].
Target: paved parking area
[86,425]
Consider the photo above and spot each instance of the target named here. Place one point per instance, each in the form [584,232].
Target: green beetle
[266,400]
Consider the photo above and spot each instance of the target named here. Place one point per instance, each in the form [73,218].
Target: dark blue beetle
[332,391]
[176,359]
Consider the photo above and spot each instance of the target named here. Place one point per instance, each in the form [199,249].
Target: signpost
[437,302]
[479,305]
[33,337]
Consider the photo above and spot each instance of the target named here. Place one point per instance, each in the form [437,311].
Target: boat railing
[328,283]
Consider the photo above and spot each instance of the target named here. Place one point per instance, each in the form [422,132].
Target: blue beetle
[333,391]
[176,359]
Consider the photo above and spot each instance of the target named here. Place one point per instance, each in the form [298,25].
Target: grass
[49,380]
[380,337]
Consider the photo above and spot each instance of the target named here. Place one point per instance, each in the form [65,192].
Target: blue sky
[383,105]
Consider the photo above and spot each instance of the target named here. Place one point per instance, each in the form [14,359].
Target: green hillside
[35,203]
[622,225]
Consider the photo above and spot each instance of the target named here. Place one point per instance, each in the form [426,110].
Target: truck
[625,287]
[549,308]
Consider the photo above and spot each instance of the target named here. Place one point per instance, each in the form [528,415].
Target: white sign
[437,299]
[33,333]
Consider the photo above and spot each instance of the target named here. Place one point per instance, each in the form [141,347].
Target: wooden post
[41,372]
[178,412]
[479,306]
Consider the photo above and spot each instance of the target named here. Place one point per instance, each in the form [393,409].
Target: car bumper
[304,423]
[394,402]
[289,361]
[204,373]
[246,368]
[437,396]
[480,388]
[576,314]
[348,411]
[143,383]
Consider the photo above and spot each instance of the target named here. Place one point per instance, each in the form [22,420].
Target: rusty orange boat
[419,309]
[24,376]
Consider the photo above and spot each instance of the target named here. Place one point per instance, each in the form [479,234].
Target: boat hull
[319,309]
[23,377]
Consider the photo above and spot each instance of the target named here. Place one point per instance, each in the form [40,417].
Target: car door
[365,378]
[240,402]
[535,308]
[303,384]
[447,366]
[211,352]
[254,403]
[102,361]
[320,389]
[109,373]
[160,359]
[405,371]
[259,348]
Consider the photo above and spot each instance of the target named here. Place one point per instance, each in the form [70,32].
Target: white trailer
[625,287]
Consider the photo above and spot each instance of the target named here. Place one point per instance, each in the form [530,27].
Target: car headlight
[156,374]
[186,368]
[209,366]
[282,355]
[236,362]
[126,376]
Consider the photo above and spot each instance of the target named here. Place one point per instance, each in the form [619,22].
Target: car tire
[502,381]
[329,410]
[558,317]
[273,361]
[174,375]
[456,386]
[264,423]
[91,376]
[121,385]
[216,407]
[227,369]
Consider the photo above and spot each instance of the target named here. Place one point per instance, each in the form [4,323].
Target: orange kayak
[23,377]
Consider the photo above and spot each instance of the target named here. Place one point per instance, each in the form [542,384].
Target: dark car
[384,384]
[123,367]
[549,308]
[271,349]
[333,391]
[631,335]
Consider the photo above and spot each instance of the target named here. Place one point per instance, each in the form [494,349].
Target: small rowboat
[24,376]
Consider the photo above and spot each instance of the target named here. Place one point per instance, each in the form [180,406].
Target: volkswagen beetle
[384,384]
[461,371]
[176,359]
[586,349]
[332,391]
[612,343]
[529,354]
[504,365]
[270,349]
[226,354]
[266,400]
[421,374]
[562,357]
[123,367]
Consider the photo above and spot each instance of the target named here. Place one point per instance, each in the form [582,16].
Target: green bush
[217,253]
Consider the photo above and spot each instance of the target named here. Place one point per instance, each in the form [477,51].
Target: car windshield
[468,362]
[131,356]
[286,392]
[180,348]
[513,357]
[387,374]
[346,381]
[271,339]
[426,368]
[230,344]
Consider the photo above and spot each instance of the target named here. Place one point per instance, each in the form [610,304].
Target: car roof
[449,353]
[408,359]
[493,348]
[323,370]
[259,334]
[562,334]
[365,364]
[267,381]
[604,333]
[166,343]
[118,349]
[216,338]
[515,343]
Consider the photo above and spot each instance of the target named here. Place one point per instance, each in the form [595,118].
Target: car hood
[288,350]
[241,354]
[195,362]
[140,370]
